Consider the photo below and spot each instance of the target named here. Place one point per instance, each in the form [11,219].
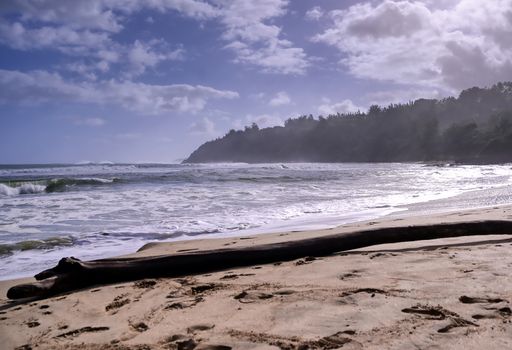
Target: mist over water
[99,210]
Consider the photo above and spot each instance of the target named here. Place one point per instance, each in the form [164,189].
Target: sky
[150,81]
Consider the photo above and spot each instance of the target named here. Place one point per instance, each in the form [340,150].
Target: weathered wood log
[71,274]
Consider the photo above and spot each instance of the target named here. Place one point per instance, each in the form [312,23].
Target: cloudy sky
[149,81]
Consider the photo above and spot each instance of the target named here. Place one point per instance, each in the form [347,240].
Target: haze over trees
[476,127]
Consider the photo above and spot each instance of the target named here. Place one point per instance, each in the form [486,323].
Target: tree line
[475,127]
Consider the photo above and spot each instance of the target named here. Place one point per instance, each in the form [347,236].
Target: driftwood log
[72,274]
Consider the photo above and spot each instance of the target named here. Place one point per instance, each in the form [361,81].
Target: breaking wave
[59,185]
[26,188]
[48,186]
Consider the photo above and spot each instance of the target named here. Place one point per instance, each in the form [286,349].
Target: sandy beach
[440,294]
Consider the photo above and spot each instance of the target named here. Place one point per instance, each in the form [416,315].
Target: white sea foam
[26,188]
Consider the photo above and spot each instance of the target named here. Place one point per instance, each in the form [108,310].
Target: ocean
[100,210]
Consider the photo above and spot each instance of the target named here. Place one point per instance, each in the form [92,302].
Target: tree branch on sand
[72,274]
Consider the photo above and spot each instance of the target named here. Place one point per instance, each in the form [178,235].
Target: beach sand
[440,294]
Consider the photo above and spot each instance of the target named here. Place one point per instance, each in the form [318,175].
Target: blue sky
[149,81]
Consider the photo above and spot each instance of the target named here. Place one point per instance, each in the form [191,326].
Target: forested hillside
[476,127]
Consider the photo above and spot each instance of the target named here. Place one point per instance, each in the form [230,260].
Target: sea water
[101,210]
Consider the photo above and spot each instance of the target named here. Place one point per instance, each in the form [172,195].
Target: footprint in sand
[474,300]
[184,304]
[247,297]
[199,289]
[24,347]
[306,260]
[144,284]
[352,274]
[334,341]
[77,332]
[440,313]
[235,276]
[45,307]
[497,312]
[32,324]
[371,291]
[183,342]
[200,327]
[378,255]
[251,296]
[140,326]
[284,292]
[186,281]
[117,303]
[503,312]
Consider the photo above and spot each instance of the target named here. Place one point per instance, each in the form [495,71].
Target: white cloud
[155,99]
[106,15]
[277,57]
[95,46]
[280,99]
[41,86]
[142,55]
[81,68]
[85,27]
[78,13]
[203,127]
[256,42]
[94,121]
[87,70]
[63,38]
[345,106]
[315,13]
[447,46]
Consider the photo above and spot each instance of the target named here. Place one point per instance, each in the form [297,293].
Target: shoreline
[89,243]
[355,299]
[467,201]
[396,218]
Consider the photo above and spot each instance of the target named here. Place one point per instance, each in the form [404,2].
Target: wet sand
[452,293]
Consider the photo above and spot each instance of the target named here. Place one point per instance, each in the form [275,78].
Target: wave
[283,178]
[14,188]
[33,244]
[60,185]
[26,188]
